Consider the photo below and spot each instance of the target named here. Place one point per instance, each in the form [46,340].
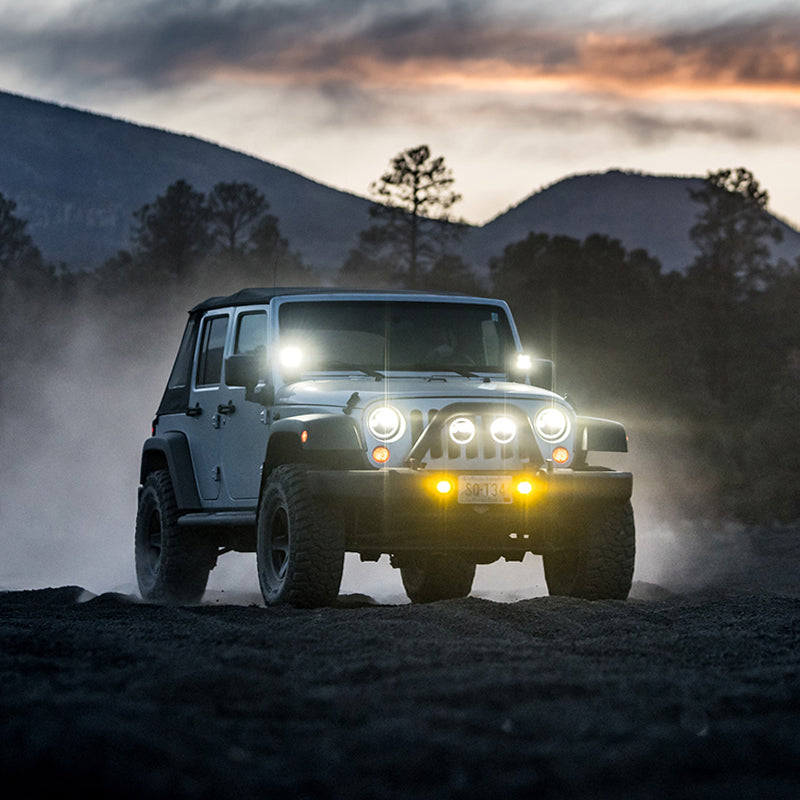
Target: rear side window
[182,368]
[251,333]
[176,395]
[212,348]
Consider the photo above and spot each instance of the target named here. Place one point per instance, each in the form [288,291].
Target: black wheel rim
[278,554]
[153,540]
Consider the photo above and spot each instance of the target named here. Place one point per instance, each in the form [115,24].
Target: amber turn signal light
[381,454]
[561,455]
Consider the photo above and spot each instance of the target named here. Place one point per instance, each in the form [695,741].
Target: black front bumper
[396,510]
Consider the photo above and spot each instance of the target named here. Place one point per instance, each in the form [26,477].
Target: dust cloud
[76,411]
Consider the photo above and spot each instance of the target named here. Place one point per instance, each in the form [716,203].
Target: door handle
[229,408]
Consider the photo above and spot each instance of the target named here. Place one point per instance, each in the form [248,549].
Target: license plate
[484,489]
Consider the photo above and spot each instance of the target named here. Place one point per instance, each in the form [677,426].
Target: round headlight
[462,430]
[386,423]
[503,430]
[552,424]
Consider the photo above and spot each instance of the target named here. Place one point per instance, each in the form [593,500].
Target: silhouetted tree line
[715,349]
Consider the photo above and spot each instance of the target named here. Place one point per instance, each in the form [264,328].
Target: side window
[182,368]
[212,347]
[176,395]
[251,333]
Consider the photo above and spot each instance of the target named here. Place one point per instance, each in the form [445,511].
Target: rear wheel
[172,563]
[428,577]
[601,566]
[299,544]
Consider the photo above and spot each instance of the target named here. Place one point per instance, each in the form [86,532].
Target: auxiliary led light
[444,487]
[291,357]
[462,430]
[524,487]
[524,362]
[503,430]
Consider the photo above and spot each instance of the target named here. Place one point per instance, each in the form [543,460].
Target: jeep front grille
[482,452]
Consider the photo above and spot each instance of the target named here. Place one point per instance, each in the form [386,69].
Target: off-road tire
[428,577]
[299,544]
[172,563]
[601,566]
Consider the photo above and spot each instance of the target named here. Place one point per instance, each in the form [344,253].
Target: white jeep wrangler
[305,423]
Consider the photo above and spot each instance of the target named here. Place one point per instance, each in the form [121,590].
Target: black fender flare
[308,437]
[318,432]
[171,451]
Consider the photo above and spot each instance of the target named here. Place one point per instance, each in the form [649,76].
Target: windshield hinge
[351,403]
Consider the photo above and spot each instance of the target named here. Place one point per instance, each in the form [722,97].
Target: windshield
[394,335]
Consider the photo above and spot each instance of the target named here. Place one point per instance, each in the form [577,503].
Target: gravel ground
[681,694]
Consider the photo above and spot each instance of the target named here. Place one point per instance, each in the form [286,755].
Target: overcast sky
[515,95]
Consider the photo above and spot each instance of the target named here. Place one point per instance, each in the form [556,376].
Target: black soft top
[261,296]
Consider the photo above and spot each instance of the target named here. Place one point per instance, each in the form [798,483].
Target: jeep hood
[338,392]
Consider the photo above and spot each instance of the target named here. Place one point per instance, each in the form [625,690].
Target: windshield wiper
[462,371]
[342,366]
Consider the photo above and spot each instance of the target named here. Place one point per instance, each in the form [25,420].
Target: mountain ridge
[79,190]
[78,176]
[652,212]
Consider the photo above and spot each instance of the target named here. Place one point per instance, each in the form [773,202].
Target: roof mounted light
[523,362]
[291,357]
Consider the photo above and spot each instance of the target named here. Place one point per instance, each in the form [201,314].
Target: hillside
[77,177]
[642,211]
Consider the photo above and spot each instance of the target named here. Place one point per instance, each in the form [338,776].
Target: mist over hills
[77,177]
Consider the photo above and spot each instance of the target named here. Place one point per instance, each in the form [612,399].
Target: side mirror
[242,369]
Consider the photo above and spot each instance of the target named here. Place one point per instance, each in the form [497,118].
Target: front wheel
[428,577]
[299,543]
[601,566]
[172,563]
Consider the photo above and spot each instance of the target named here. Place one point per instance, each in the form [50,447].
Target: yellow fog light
[561,455]
[444,486]
[524,487]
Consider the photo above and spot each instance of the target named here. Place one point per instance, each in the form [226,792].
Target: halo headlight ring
[386,424]
[552,424]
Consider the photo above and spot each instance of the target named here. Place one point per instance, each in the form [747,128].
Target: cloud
[460,45]
[570,85]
